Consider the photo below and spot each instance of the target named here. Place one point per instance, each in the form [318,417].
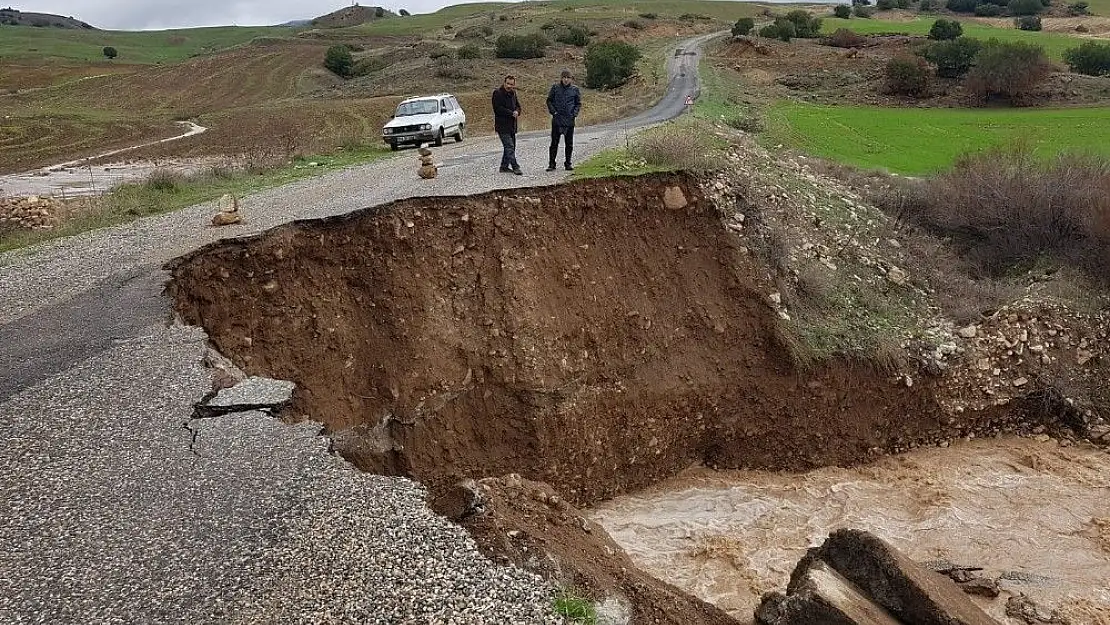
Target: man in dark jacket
[563,102]
[506,111]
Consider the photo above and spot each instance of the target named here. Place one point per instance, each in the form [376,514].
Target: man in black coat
[563,102]
[506,111]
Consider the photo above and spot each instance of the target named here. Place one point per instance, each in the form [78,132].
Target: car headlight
[387,131]
[427,126]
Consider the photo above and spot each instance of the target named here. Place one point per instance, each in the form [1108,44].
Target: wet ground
[1032,513]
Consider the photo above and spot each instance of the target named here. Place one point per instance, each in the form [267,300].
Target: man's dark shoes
[505,170]
[568,167]
[516,170]
[551,167]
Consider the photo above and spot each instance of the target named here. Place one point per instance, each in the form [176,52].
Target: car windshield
[417,107]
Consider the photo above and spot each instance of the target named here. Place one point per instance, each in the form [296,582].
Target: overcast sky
[155,14]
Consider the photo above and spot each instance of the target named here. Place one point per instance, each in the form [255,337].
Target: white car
[426,119]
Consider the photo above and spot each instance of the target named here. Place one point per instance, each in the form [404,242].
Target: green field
[1054,44]
[923,141]
[153,46]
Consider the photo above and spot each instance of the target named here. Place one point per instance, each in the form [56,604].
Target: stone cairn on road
[30,213]
[229,211]
[428,170]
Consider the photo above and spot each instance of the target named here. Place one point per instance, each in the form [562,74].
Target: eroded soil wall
[587,336]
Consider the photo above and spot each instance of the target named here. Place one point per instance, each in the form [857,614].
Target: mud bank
[585,336]
[596,337]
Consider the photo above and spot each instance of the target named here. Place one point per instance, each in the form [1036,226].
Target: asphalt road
[117,506]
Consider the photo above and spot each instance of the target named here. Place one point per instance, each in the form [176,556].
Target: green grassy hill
[157,46]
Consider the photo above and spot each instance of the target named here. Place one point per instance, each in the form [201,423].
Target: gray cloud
[157,14]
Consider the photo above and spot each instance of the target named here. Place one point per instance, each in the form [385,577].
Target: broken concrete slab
[254,393]
[824,596]
[913,594]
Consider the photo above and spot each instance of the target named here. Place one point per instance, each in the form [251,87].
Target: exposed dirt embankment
[593,336]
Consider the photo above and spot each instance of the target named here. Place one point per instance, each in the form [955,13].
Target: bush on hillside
[110,52]
[634,25]
[1091,58]
[907,75]
[806,26]
[928,6]
[988,10]
[1010,70]
[610,63]
[781,29]
[1028,22]
[649,16]
[843,11]
[404,13]
[339,61]
[1008,208]
[943,29]
[368,65]
[470,51]
[861,3]
[1079,8]
[743,26]
[1025,7]
[844,38]
[953,58]
[522,46]
[573,35]
[862,11]
[884,5]
[961,6]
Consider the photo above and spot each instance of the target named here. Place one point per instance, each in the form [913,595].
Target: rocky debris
[969,579]
[857,578]
[428,169]
[1027,611]
[673,198]
[225,374]
[526,523]
[228,211]
[253,393]
[30,213]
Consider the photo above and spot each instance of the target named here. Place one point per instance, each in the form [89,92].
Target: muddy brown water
[1033,513]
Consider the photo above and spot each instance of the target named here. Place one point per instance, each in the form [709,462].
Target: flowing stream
[1032,513]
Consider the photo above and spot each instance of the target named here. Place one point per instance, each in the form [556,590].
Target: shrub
[1006,208]
[1079,8]
[695,17]
[164,180]
[782,29]
[844,38]
[907,75]
[634,25]
[1008,70]
[988,10]
[522,46]
[573,36]
[379,12]
[861,3]
[953,58]
[674,146]
[961,6]
[929,6]
[747,122]
[110,52]
[843,11]
[943,29]
[649,16]
[1028,22]
[902,4]
[610,63]
[470,51]
[338,60]
[806,26]
[404,13]
[863,11]
[884,5]
[743,26]
[1091,58]
[1025,7]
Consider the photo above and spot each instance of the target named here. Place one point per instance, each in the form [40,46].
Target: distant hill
[351,16]
[12,17]
[296,23]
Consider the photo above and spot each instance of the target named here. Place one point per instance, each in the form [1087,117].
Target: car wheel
[459,134]
[439,138]
[394,147]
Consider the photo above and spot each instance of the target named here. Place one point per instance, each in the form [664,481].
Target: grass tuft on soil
[575,608]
